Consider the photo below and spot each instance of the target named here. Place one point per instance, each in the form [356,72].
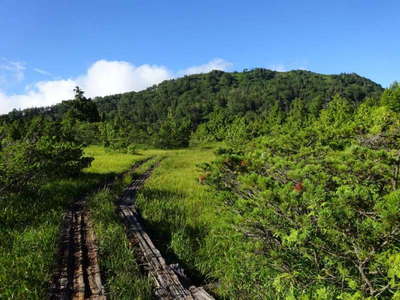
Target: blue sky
[47,46]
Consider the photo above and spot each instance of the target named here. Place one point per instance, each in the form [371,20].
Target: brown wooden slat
[166,282]
[77,275]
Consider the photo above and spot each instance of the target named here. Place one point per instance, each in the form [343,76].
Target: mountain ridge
[348,84]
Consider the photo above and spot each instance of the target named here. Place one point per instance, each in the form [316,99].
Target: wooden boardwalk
[166,281]
[78,273]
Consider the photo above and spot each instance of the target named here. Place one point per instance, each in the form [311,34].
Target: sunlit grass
[30,224]
[178,210]
[107,161]
[190,225]
[29,229]
[121,274]
[184,218]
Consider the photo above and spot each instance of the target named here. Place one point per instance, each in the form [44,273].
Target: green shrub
[25,165]
[321,204]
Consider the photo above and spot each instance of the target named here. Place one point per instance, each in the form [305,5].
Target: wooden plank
[167,283]
[77,275]
[93,268]
[79,286]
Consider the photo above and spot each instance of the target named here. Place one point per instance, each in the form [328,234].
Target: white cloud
[43,93]
[279,68]
[11,71]
[288,67]
[102,78]
[113,77]
[42,72]
[215,64]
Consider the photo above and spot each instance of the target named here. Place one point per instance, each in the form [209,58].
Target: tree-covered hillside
[196,96]
[167,114]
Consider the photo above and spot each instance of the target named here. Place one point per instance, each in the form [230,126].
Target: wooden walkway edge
[167,283]
[77,274]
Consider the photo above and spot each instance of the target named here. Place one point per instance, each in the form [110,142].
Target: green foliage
[305,201]
[206,102]
[214,129]
[391,97]
[81,108]
[36,151]
[173,132]
[26,165]
[30,224]
[321,200]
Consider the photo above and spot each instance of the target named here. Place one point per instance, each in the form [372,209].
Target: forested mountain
[196,96]
[218,106]
[166,114]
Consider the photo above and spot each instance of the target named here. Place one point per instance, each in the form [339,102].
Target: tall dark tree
[82,108]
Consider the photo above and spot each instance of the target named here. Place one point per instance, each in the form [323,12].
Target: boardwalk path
[166,281]
[78,272]
[77,275]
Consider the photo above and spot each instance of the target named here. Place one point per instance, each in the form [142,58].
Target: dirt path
[167,282]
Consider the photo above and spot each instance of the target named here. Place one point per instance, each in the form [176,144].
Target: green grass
[108,161]
[178,211]
[190,225]
[120,272]
[184,218]
[30,224]
[28,239]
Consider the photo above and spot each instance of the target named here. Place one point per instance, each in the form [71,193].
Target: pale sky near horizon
[47,47]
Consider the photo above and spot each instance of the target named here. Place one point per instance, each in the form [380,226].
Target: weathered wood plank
[166,282]
[77,275]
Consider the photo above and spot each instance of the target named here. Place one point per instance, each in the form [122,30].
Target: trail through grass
[183,217]
[190,225]
[121,274]
[30,224]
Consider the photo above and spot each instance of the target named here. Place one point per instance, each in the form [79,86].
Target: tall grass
[190,225]
[186,221]
[121,274]
[30,224]
[107,161]
[28,239]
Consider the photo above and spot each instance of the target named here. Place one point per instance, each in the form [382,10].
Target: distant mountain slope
[196,96]
[239,93]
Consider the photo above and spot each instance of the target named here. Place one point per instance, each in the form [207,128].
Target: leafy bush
[322,202]
[25,165]
[132,149]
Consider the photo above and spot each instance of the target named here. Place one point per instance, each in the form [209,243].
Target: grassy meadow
[189,224]
[185,220]
[30,225]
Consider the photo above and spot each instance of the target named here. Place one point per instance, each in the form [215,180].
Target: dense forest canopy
[166,114]
[240,92]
